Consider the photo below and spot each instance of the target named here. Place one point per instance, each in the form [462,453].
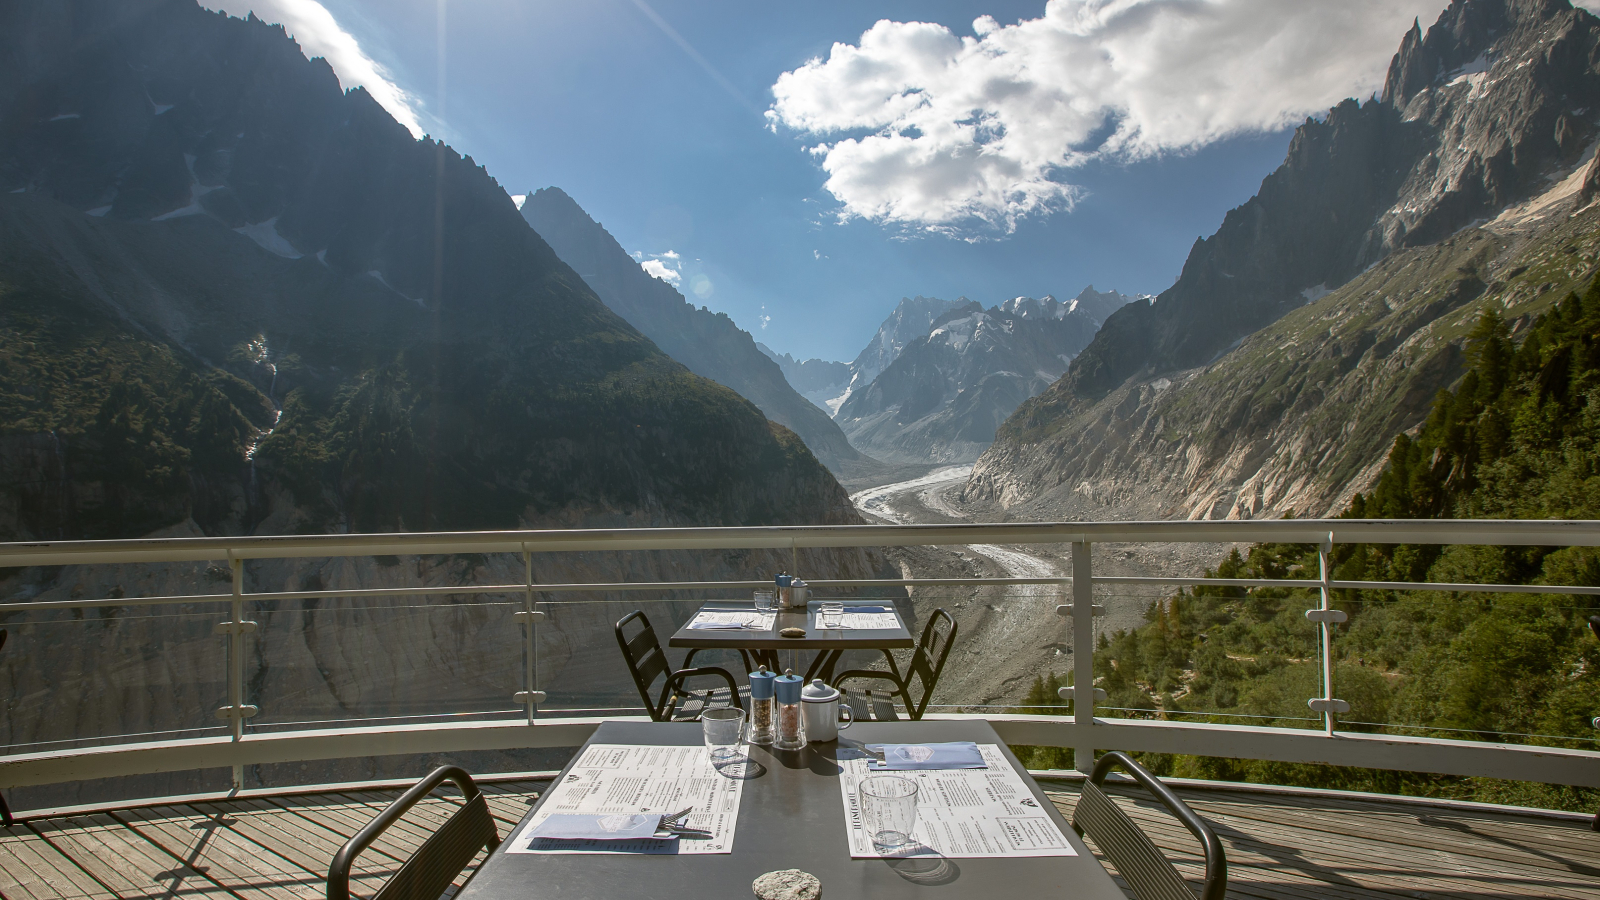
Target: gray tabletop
[792,817]
[815,639]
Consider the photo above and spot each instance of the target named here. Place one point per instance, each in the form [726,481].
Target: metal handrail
[1522,532]
[1083,731]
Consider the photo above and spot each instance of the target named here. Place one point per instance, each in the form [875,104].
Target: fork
[672,819]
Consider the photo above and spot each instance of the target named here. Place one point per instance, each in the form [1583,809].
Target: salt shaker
[761,701]
[791,721]
[783,580]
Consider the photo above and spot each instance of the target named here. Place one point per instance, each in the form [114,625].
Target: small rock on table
[787,884]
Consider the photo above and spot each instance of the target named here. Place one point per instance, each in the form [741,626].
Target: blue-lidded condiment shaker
[762,692]
[791,723]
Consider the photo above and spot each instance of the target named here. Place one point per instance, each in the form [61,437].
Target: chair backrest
[430,870]
[928,661]
[1136,857]
[646,662]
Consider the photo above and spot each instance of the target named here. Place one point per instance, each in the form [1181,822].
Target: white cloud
[928,130]
[319,34]
[666,266]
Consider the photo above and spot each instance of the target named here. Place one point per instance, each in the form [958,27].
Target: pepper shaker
[791,722]
[761,702]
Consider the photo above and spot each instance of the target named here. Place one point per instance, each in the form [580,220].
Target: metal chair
[446,852]
[647,662]
[927,662]
[1136,858]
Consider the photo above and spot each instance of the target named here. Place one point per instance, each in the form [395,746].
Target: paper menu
[962,813]
[868,621]
[630,778]
[733,621]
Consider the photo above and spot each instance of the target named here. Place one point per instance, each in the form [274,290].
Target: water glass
[888,809]
[724,731]
[831,614]
[765,600]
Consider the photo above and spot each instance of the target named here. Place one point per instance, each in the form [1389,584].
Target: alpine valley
[236,298]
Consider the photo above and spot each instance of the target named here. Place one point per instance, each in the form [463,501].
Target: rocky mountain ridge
[821,381]
[238,299]
[710,344]
[942,396]
[1188,406]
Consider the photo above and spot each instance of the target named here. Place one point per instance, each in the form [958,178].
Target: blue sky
[675,150]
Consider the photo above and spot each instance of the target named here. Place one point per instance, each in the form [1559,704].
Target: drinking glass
[888,809]
[832,615]
[724,731]
[765,600]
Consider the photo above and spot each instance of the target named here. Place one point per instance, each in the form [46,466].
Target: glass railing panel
[75,678]
[1512,668]
[580,665]
[333,662]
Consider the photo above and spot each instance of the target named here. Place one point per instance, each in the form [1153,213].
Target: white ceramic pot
[822,709]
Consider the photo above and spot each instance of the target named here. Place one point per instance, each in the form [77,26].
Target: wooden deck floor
[1279,847]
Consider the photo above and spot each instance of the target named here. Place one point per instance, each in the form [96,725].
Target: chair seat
[871,706]
[696,702]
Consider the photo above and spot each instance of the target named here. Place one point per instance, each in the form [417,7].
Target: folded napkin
[952,755]
[614,827]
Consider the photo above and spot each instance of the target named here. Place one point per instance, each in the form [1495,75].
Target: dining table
[791,815]
[765,645]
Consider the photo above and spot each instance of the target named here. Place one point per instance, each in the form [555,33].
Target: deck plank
[1363,863]
[1298,850]
[1280,847]
[41,871]
[206,836]
[124,861]
[1445,865]
[310,844]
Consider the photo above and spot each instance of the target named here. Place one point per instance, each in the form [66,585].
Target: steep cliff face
[710,344]
[1477,113]
[237,299]
[945,393]
[216,205]
[822,381]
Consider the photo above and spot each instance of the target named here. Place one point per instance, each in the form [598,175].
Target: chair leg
[5,813]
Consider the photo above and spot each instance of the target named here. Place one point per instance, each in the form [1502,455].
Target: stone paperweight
[787,884]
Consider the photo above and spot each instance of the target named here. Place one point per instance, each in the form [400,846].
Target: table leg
[823,666]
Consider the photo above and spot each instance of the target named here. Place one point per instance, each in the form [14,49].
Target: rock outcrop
[1496,97]
[709,343]
[238,299]
[943,395]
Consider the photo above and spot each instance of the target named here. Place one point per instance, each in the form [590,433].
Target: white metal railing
[1084,731]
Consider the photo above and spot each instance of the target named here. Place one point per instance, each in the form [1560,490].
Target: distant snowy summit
[940,375]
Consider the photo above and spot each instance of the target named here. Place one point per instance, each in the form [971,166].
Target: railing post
[529,696]
[1327,617]
[236,663]
[236,628]
[1083,695]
